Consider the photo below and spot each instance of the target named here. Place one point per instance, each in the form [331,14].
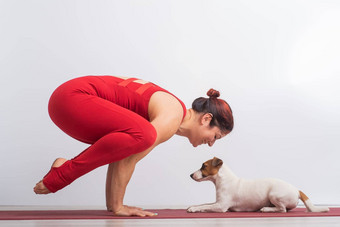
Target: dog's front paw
[264,210]
[193,209]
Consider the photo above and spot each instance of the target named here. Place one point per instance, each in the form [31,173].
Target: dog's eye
[203,166]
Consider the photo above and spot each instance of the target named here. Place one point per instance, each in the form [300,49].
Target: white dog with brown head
[236,194]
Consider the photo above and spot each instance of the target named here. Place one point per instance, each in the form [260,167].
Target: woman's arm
[120,177]
[166,124]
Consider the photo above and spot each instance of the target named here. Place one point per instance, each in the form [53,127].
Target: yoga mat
[162,214]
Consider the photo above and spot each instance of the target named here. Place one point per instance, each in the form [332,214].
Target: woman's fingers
[144,213]
[138,208]
[134,211]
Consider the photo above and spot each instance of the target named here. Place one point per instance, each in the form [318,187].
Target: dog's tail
[309,205]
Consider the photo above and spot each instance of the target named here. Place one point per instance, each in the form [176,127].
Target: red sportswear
[107,112]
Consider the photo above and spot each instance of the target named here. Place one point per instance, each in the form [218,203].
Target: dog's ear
[216,162]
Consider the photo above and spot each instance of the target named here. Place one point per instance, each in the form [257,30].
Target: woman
[124,119]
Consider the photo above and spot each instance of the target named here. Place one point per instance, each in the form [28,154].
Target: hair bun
[212,93]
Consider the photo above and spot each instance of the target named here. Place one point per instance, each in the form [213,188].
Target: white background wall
[275,62]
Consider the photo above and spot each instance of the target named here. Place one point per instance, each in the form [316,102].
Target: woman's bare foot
[40,188]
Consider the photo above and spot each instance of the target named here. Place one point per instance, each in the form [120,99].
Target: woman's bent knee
[149,137]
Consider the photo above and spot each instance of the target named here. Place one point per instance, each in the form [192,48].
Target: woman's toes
[40,188]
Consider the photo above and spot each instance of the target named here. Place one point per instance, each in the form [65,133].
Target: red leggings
[84,111]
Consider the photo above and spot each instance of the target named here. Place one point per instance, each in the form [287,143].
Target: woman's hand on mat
[133,211]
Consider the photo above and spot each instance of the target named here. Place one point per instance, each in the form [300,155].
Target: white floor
[291,222]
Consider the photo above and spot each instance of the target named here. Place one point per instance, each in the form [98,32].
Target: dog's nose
[192,176]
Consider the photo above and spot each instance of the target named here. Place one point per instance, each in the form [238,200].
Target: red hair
[222,115]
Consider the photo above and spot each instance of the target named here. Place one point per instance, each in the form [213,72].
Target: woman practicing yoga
[124,119]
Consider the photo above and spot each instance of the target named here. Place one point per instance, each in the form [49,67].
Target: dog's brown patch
[211,167]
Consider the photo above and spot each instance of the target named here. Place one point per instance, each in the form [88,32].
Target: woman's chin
[196,144]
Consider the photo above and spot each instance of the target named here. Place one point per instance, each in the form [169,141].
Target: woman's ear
[206,119]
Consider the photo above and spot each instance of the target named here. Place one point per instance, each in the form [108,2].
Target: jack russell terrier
[236,194]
